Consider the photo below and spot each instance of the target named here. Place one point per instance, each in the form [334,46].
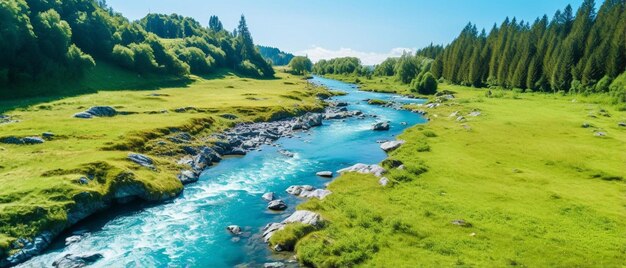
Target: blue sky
[369,29]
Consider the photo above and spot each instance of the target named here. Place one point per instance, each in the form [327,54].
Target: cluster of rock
[97,111]
[22,141]
[300,216]
[5,119]
[375,170]
[27,248]
[307,191]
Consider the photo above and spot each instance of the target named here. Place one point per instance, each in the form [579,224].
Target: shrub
[124,56]
[249,69]
[603,84]
[144,58]
[199,62]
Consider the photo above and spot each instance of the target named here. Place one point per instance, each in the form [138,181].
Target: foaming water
[190,231]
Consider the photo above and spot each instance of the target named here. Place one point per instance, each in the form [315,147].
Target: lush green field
[534,187]
[39,183]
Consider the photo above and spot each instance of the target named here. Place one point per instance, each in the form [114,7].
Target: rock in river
[268,196]
[76,261]
[234,229]
[380,126]
[277,205]
[325,174]
[391,145]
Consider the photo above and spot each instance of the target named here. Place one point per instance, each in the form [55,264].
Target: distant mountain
[277,57]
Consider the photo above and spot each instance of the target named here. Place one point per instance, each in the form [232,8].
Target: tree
[215,24]
[406,68]
[300,65]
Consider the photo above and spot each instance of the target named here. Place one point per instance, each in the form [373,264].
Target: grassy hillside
[40,183]
[533,187]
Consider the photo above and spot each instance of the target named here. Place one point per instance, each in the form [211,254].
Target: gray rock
[274,265]
[12,140]
[33,140]
[461,223]
[30,248]
[305,217]
[297,189]
[325,174]
[475,113]
[76,261]
[141,160]
[83,115]
[391,145]
[234,229]
[286,153]
[187,177]
[375,170]
[383,181]
[460,119]
[102,111]
[622,124]
[317,193]
[585,125]
[73,239]
[277,205]
[268,196]
[600,134]
[83,181]
[380,126]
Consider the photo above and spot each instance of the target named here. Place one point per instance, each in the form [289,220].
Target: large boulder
[187,177]
[102,111]
[391,145]
[141,160]
[277,205]
[297,189]
[76,261]
[381,126]
[375,170]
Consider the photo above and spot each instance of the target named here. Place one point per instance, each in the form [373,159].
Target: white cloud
[317,53]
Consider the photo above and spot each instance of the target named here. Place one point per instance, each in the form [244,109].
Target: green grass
[537,188]
[39,182]
[288,236]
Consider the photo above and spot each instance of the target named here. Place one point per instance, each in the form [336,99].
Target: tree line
[42,40]
[572,52]
[275,55]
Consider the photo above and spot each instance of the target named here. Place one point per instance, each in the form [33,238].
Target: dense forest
[45,40]
[581,52]
[275,55]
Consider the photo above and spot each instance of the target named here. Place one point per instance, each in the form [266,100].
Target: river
[189,231]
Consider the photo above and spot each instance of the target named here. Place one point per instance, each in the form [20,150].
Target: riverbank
[80,166]
[503,180]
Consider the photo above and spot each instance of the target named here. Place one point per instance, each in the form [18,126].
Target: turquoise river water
[189,231]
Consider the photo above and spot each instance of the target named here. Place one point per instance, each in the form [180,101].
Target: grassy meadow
[532,186]
[40,183]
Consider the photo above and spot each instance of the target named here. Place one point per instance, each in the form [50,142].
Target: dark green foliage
[215,24]
[425,84]
[274,55]
[347,65]
[406,68]
[300,65]
[199,62]
[570,52]
[46,41]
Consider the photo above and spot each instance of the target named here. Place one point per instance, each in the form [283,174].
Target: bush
[300,65]
[199,62]
[144,58]
[249,69]
[124,56]
[428,86]
[78,61]
[603,84]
